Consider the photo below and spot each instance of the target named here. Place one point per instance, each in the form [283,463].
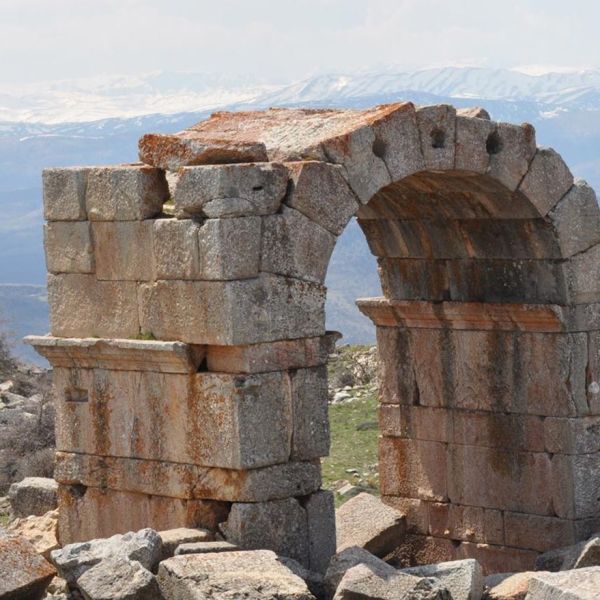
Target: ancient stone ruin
[189,347]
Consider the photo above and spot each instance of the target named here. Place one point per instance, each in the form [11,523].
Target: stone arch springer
[488,252]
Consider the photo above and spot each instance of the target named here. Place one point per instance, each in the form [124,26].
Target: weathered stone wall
[487,252]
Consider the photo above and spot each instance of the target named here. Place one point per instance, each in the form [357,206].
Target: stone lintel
[272,356]
[119,354]
[187,481]
[421,314]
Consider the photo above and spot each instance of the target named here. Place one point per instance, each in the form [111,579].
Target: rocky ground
[197,563]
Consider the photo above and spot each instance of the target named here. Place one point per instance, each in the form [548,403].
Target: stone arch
[488,255]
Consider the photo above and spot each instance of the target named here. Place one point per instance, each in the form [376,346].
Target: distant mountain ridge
[564,108]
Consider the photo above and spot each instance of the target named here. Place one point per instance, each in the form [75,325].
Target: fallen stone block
[349,558]
[33,496]
[314,581]
[173,538]
[579,584]
[583,554]
[205,548]
[39,531]
[74,560]
[230,190]
[365,521]
[462,578]
[23,572]
[280,525]
[509,586]
[256,575]
[361,582]
[118,579]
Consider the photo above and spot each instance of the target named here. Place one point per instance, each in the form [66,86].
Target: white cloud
[282,39]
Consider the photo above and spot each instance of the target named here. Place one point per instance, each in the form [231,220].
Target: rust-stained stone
[87,513]
[23,572]
[209,419]
[119,354]
[187,481]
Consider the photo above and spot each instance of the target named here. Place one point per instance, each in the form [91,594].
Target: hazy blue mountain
[564,107]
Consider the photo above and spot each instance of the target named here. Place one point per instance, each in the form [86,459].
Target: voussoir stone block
[280,525]
[437,127]
[584,276]
[81,306]
[235,190]
[319,191]
[68,247]
[125,193]
[511,149]
[64,194]
[547,180]
[249,311]
[123,250]
[294,245]
[472,140]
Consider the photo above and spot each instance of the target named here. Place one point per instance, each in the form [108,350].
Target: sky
[286,40]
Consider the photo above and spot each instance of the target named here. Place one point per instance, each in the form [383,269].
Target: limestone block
[496,280]
[233,190]
[23,572]
[502,479]
[173,538]
[118,579]
[566,558]
[351,557]
[579,584]
[593,374]
[361,582]
[475,111]
[280,525]
[123,250]
[472,142]
[119,354]
[294,245]
[509,586]
[229,421]
[179,480]
[579,435]
[250,575]
[32,496]
[357,151]
[271,356]
[469,523]
[187,148]
[416,422]
[319,191]
[584,274]
[68,247]
[176,251]
[416,512]
[88,513]
[74,302]
[365,521]
[125,193]
[577,488]
[398,142]
[233,312]
[40,531]
[205,548]
[511,150]
[309,396]
[437,128]
[64,194]
[230,248]
[321,519]
[462,578]
[576,219]
[537,532]
[547,180]
[74,560]
[413,468]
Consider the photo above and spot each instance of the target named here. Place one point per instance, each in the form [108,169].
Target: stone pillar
[188,391]
[489,417]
